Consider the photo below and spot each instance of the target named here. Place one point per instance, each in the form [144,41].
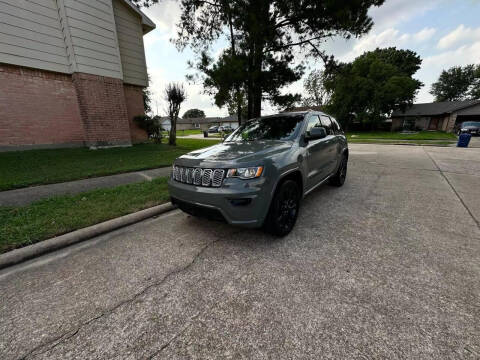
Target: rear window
[471,123]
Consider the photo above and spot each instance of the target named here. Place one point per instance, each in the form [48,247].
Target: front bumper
[240,202]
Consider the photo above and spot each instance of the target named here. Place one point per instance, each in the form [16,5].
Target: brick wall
[103,110]
[37,108]
[45,109]
[134,100]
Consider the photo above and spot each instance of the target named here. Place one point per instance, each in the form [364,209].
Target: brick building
[71,73]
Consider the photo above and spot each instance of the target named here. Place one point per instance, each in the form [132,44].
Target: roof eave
[147,24]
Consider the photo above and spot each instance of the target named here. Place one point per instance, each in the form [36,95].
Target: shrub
[151,126]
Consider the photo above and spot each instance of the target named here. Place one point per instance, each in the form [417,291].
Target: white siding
[31,35]
[93,37]
[100,37]
[130,39]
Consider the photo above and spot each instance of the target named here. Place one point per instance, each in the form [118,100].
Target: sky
[444,33]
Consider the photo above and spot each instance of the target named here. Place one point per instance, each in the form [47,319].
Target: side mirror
[316,133]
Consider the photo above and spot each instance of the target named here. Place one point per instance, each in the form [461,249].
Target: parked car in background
[225,129]
[213,129]
[259,174]
[469,127]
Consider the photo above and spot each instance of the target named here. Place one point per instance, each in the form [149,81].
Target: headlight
[246,173]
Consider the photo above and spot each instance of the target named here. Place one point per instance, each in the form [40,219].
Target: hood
[241,152]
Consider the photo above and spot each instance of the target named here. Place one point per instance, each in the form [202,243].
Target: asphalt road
[386,267]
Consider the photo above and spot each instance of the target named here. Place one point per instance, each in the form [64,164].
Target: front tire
[284,209]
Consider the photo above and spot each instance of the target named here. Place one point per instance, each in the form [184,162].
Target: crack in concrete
[174,337]
[70,334]
[453,189]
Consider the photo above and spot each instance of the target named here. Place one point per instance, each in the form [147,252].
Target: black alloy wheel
[284,210]
[339,178]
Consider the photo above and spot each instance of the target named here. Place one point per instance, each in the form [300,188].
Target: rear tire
[339,178]
[283,212]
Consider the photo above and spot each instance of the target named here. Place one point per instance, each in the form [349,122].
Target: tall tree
[237,103]
[265,36]
[147,97]
[193,113]
[317,94]
[373,85]
[457,83]
[175,95]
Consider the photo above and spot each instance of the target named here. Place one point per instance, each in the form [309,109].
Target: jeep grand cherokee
[259,174]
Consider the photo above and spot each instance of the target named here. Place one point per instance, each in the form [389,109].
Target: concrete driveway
[386,267]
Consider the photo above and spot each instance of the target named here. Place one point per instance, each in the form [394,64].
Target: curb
[18,256]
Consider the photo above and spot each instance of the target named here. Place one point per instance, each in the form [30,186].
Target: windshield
[471,123]
[269,128]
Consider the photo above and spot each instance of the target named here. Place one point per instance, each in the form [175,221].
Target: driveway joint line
[72,333]
[145,176]
[453,188]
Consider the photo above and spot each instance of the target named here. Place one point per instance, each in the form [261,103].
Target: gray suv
[259,174]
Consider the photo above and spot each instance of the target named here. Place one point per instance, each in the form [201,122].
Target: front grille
[207,177]
[217,177]
[189,175]
[198,176]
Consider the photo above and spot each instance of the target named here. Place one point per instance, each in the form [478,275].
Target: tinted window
[313,121]
[269,128]
[336,126]
[327,124]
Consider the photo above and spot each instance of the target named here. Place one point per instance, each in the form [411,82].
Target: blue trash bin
[464,140]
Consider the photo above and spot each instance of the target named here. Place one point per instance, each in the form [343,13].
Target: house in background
[200,123]
[436,116]
[71,73]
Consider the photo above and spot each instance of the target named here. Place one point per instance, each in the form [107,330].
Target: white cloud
[166,15]
[386,38]
[394,12]
[433,65]
[195,96]
[459,36]
[424,34]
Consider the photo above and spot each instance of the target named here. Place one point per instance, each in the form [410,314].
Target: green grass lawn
[25,168]
[185,132]
[189,132]
[421,135]
[44,219]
